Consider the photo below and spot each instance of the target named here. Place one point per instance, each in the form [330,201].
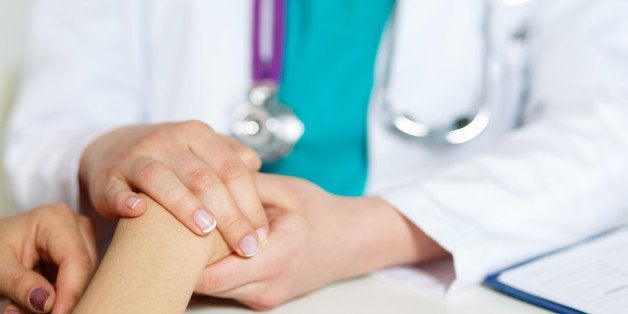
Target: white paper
[591,276]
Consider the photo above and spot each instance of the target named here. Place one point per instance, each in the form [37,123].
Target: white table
[370,295]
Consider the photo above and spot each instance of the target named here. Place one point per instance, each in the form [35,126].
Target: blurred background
[14,15]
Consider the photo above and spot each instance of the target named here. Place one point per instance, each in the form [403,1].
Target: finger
[255,294]
[116,199]
[249,156]
[234,163]
[157,180]
[229,273]
[14,308]
[236,177]
[62,241]
[209,188]
[25,287]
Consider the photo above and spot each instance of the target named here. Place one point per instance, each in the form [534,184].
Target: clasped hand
[201,177]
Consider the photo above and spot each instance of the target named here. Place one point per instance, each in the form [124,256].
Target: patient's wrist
[152,265]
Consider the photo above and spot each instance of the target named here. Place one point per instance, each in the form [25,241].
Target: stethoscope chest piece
[266,125]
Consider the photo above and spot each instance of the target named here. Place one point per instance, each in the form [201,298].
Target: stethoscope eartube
[461,130]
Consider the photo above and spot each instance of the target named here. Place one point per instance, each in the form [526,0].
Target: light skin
[201,177]
[136,279]
[316,238]
[49,239]
[151,266]
[306,222]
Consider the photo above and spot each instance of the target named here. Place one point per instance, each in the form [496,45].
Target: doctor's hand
[318,238]
[53,241]
[201,177]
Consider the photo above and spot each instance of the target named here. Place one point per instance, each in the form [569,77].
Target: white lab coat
[510,194]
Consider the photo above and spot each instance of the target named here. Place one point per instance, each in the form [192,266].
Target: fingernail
[38,298]
[204,221]
[262,235]
[131,202]
[249,245]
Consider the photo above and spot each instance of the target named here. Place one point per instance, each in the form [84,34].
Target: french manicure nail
[38,298]
[262,235]
[249,245]
[204,221]
[132,201]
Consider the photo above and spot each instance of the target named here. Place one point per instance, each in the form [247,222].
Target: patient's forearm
[152,266]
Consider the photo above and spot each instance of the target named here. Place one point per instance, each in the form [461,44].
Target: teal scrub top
[331,47]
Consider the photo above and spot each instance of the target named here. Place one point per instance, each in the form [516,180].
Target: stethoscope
[263,123]
[272,129]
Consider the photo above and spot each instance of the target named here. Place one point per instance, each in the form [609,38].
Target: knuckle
[149,170]
[184,206]
[201,181]
[155,138]
[232,171]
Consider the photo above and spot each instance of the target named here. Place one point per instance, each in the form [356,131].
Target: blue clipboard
[492,281]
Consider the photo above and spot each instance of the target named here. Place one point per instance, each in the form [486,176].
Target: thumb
[26,287]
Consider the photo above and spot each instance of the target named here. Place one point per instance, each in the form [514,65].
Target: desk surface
[369,295]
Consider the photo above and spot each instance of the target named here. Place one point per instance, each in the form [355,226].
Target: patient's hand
[152,265]
[48,235]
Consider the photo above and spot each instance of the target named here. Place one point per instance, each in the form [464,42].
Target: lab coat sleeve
[78,82]
[561,177]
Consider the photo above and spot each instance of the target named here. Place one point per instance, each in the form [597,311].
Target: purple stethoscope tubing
[264,69]
[263,123]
